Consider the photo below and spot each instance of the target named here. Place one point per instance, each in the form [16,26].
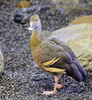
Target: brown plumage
[53,56]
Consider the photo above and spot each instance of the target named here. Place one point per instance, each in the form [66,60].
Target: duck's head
[34,22]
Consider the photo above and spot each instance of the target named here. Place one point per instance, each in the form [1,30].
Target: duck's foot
[48,92]
[60,86]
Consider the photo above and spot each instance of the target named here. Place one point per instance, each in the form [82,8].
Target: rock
[1,64]
[23,15]
[23,4]
[79,38]
[83,19]
[73,7]
[46,33]
[3,1]
[66,1]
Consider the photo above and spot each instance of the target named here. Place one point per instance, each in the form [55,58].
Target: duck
[53,56]
[1,64]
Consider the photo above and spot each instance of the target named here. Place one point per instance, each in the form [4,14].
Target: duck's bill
[30,28]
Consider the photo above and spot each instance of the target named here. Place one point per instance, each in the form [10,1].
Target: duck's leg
[63,82]
[55,86]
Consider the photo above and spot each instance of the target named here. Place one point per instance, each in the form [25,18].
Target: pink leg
[56,82]
[63,82]
[55,86]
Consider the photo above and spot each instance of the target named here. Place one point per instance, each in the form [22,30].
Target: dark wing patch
[64,46]
[51,50]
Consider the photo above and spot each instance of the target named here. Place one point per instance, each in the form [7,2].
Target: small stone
[23,4]
[41,16]
[9,58]
[84,99]
[26,40]
[52,12]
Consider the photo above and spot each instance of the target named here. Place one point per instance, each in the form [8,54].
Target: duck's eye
[36,19]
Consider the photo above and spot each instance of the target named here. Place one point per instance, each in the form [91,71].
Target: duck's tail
[78,73]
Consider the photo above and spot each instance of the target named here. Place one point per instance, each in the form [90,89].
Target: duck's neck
[36,38]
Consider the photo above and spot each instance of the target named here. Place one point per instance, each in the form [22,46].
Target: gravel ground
[22,80]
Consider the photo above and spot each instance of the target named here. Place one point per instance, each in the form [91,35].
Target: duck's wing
[54,57]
